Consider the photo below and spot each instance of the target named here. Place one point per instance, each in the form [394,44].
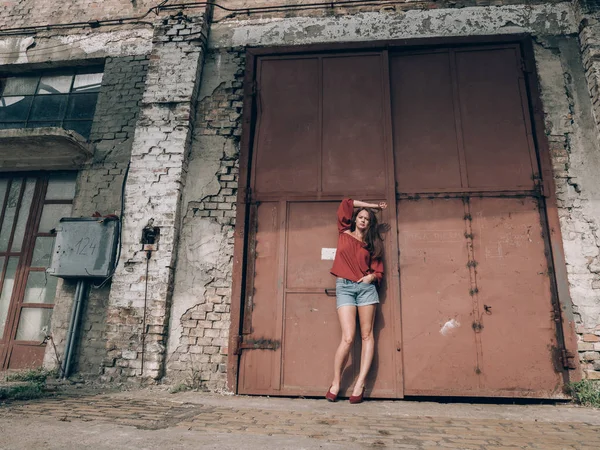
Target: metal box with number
[85,247]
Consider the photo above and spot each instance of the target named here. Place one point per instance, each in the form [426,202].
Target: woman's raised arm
[359,204]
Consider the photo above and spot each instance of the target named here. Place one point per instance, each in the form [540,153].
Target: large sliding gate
[469,304]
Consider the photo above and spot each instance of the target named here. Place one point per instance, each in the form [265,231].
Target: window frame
[62,119]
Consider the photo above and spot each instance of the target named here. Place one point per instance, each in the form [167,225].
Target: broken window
[64,99]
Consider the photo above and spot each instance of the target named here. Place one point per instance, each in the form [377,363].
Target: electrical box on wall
[85,247]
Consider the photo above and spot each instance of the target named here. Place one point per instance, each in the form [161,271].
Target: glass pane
[42,252]
[61,186]
[23,215]
[11,125]
[87,82]
[40,288]
[51,214]
[7,287]
[83,127]
[14,109]
[9,213]
[55,85]
[20,86]
[34,324]
[82,106]
[43,124]
[49,107]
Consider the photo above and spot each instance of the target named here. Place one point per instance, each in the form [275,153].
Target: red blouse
[352,259]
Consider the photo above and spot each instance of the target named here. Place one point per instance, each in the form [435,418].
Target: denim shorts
[350,293]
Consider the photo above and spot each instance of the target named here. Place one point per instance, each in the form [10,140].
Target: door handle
[330,292]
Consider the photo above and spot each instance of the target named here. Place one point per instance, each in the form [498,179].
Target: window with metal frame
[65,99]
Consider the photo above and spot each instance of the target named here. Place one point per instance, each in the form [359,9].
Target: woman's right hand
[382,205]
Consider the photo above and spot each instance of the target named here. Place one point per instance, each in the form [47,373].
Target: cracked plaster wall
[19,13]
[199,327]
[545,19]
[574,147]
[140,297]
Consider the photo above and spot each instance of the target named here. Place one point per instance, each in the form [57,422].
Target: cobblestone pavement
[155,419]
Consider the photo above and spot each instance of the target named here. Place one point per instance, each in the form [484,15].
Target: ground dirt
[152,418]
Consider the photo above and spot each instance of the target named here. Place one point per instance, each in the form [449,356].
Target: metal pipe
[70,331]
[80,293]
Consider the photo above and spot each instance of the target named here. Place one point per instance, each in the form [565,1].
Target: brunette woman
[358,266]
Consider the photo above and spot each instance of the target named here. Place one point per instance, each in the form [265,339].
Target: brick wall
[199,328]
[583,194]
[157,175]
[99,189]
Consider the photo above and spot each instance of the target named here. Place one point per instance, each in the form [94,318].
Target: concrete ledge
[42,148]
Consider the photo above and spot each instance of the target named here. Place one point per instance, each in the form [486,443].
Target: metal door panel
[438,342]
[311,327]
[353,125]
[312,334]
[262,298]
[312,237]
[518,334]
[496,143]
[425,140]
[288,134]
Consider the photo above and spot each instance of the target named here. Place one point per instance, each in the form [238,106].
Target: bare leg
[366,318]
[347,317]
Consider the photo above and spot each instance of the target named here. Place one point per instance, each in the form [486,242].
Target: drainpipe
[80,294]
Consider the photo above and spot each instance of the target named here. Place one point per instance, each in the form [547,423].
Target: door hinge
[568,360]
[247,195]
[525,66]
[256,344]
[254,88]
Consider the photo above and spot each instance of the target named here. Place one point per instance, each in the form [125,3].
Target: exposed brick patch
[154,188]
[201,352]
[118,107]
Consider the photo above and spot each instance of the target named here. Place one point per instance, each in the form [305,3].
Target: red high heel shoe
[331,396]
[357,398]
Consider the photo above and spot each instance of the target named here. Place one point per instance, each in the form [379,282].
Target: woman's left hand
[368,279]
[382,205]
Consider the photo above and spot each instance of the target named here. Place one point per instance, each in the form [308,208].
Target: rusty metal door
[31,205]
[469,305]
[478,306]
[317,115]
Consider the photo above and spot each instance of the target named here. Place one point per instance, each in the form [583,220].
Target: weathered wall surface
[199,327]
[572,135]
[270,9]
[539,20]
[99,190]
[61,48]
[19,13]
[140,297]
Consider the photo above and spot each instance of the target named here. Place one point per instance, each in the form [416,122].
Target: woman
[358,266]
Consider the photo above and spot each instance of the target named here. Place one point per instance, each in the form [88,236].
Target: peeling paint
[555,19]
[449,327]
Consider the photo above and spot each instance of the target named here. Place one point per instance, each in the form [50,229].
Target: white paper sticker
[328,254]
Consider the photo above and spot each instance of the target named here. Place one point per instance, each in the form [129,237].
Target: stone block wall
[99,188]
[199,328]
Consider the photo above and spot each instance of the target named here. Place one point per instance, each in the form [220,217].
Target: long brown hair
[373,237]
